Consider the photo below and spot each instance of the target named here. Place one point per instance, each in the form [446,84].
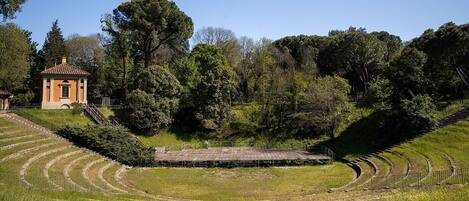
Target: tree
[380,92]
[152,105]
[222,38]
[356,56]
[418,114]
[33,82]
[54,46]
[153,24]
[159,82]
[118,46]
[245,69]
[87,52]
[407,72]
[8,8]
[14,57]
[393,43]
[212,94]
[323,107]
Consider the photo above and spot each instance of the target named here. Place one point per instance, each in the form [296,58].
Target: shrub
[419,113]
[379,94]
[143,112]
[22,99]
[112,141]
[77,109]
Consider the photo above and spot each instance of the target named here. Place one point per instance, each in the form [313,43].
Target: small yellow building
[5,97]
[63,85]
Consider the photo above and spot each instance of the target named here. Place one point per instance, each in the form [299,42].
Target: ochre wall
[72,91]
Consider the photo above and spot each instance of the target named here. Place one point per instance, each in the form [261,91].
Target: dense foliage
[54,46]
[152,25]
[112,141]
[14,57]
[8,8]
[152,105]
[294,87]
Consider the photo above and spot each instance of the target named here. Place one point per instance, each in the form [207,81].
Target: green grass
[108,113]
[12,189]
[460,193]
[169,140]
[240,183]
[53,119]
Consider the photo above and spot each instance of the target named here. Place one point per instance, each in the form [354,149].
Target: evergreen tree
[54,46]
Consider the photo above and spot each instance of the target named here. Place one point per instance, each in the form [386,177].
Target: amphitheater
[42,160]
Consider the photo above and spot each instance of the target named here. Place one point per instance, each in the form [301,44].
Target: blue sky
[261,18]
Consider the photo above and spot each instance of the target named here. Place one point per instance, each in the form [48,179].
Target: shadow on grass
[379,131]
[367,135]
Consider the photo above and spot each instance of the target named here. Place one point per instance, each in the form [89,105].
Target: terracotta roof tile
[64,69]
[5,93]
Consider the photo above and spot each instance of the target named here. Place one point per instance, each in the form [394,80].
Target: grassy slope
[366,135]
[460,193]
[53,119]
[12,189]
[240,183]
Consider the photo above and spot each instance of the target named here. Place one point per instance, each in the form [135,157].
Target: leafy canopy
[14,57]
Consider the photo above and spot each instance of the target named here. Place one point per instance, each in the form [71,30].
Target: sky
[272,19]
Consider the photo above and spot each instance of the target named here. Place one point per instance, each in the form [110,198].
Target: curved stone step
[386,167]
[14,132]
[26,151]
[87,168]
[119,177]
[24,168]
[429,169]
[109,185]
[17,138]
[453,168]
[368,171]
[400,170]
[69,166]
[54,161]
[382,170]
[356,174]
[417,164]
[10,146]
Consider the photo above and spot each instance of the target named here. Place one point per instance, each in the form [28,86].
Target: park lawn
[454,193]
[169,140]
[240,183]
[54,119]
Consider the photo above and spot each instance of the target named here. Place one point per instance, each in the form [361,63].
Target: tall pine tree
[54,46]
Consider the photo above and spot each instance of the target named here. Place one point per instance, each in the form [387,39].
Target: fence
[420,179]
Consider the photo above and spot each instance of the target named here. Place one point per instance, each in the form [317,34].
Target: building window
[65,89]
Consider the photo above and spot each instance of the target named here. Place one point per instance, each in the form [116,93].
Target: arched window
[65,89]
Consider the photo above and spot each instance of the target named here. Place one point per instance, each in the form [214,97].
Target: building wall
[52,92]
[72,90]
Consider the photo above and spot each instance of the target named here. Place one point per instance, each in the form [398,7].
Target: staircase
[96,115]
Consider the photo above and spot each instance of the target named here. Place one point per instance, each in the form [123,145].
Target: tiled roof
[4,93]
[64,69]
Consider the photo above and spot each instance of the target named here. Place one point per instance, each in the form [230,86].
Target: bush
[22,99]
[144,113]
[77,109]
[112,141]
[419,114]
[379,94]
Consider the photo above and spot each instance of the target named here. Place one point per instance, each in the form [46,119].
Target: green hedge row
[112,141]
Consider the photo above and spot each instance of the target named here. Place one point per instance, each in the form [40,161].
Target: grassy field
[456,193]
[240,183]
[15,158]
[53,119]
